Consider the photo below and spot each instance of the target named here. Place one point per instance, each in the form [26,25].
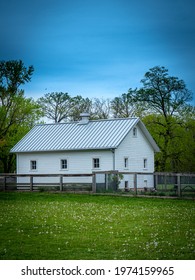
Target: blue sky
[98,48]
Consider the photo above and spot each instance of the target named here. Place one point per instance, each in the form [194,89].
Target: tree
[181,149]
[29,114]
[56,106]
[80,105]
[101,108]
[164,96]
[13,74]
[59,106]
[163,93]
[17,113]
[125,106]
[188,139]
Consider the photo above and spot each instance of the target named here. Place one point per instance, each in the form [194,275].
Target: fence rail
[10,181]
[135,183]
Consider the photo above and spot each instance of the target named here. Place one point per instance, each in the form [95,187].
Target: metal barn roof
[100,134]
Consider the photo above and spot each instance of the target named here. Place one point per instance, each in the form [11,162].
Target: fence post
[93,182]
[31,183]
[106,181]
[4,183]
[165,181]
[155,181]
[61,183]
[135,183]
[179,184]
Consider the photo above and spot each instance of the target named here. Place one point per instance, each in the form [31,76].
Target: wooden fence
[168,184]
[159,183]
[10,182]
[179,184]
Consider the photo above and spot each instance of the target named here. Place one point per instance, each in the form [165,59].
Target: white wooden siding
[78,163]
[136,149]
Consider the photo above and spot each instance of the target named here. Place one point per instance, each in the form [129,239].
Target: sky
[98,48]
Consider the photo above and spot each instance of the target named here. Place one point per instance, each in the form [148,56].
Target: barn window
[64,164]
[126,162]
[96,163]
[33,165]
[145,163]
[135,132]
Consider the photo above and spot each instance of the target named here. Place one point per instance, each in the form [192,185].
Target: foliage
[123,106]
[61,107]
[116,179]
[12,74]
[17,113]
[164,94]
[188,139]
[178,145]
[165,97]
[28,114]
[56,106]
[80,105]
[89,227]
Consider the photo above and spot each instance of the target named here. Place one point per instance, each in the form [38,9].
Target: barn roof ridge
[92,120]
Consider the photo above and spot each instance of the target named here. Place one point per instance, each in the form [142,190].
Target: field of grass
[73,226]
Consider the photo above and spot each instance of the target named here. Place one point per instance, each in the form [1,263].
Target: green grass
[71,226]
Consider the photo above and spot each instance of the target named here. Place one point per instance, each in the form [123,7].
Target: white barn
[88,146]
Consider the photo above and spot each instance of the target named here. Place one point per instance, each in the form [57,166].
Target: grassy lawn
[70,226]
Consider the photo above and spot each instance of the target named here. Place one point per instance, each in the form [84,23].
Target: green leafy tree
[17,113]
[181,148]
[188,139]
[166,96]
[13,74]
[28,113]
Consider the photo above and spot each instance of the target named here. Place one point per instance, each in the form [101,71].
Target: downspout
[17,163]
[113,158]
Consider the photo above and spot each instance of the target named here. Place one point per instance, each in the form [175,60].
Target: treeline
[162,103]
